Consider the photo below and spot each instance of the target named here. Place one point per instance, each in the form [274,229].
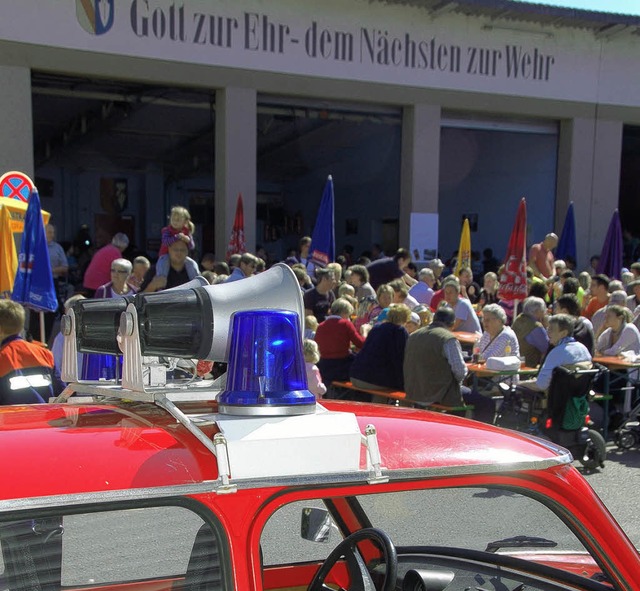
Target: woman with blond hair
[379,366]
[384,296]
[315,384]
[620,334]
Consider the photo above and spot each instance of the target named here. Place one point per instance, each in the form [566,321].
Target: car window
[282,542]
[150,543]
[492,520]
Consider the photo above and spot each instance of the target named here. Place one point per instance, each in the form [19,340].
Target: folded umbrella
[323,242]
[567,244]
[464,249]
[513,277]
[33,287]
[237,244]
[611,256]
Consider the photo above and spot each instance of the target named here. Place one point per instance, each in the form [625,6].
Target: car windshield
[494,521]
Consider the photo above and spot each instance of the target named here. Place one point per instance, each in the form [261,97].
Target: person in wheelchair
[560,396]
[566,352]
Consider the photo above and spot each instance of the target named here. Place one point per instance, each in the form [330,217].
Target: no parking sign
[16,185]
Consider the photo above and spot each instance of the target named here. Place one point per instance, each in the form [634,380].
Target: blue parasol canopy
[33,287]
[567,244]
[323,241]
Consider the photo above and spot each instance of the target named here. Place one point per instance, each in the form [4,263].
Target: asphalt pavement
[618,485]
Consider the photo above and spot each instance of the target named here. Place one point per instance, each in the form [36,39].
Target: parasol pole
[41,314]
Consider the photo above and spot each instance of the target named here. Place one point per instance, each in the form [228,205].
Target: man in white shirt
[423,290]
[466,317]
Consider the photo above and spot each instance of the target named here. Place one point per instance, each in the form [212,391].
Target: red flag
[236,240]
[513,278]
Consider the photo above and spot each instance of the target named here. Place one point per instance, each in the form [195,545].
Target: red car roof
[56,449]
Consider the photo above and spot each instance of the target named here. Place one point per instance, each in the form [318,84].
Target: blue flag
[567,243]
[33,287]
[323,240]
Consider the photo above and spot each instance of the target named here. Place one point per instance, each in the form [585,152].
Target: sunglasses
[119,271]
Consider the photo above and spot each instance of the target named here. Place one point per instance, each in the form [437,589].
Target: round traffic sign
[16,185]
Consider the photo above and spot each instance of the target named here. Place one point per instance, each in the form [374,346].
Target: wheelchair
[564,419]
[627,435]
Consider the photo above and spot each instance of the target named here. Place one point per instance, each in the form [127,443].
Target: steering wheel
[358,573]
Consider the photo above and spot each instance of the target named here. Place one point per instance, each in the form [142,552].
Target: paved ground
[618,485]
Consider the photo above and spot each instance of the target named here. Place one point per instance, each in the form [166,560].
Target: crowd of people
[380,322]
[385,326]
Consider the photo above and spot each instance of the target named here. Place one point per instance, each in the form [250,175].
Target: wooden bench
[397,396]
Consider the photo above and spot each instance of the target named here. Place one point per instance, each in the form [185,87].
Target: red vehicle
[171,487]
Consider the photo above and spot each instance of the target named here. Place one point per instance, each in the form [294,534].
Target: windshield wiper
[520,542]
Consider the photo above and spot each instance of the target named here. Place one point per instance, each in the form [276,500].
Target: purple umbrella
[611,256]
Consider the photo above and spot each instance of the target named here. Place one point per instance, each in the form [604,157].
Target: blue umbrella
[567,244]
[33,287]
[323,240]
[611,256]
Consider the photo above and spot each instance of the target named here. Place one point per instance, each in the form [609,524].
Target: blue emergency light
[266,373]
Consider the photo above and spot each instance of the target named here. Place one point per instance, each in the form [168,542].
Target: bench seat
[398,396]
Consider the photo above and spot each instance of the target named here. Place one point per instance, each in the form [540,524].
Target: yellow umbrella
[8,256]
[17,210]
[464,250]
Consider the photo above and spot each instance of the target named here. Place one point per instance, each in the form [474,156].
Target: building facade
[422,112]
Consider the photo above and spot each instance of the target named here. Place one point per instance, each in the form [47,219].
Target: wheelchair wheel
[595,451]
[626,439]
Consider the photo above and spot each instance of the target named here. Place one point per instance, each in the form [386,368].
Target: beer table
[621,370]
[479,371]
[466,339]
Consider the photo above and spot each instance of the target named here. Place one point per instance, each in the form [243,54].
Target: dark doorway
[629,202]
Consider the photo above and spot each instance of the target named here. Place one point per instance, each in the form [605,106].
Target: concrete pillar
[153,208]
[236,162]
[16,125]
[589,155]
[420,167]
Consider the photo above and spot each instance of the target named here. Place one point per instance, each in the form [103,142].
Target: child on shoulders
[180,228]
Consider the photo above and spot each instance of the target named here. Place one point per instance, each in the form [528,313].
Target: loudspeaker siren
[96,323]
[275,289]
[186,322]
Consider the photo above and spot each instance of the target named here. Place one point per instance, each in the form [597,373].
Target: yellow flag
[8,255]
[464,250]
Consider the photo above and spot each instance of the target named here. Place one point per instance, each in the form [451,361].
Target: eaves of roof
[600,23]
